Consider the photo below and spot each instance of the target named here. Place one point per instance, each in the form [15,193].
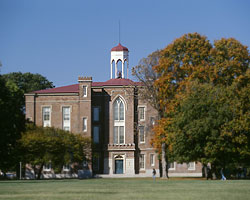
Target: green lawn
[129,189]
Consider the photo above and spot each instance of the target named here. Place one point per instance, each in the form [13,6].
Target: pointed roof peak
[119,47]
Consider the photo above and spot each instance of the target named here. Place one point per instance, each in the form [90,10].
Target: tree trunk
[163,161]
[4,175]
[213,169]
[34,168]
[205,172]
[40,172]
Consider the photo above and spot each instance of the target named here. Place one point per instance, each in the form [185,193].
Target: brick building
[113,115]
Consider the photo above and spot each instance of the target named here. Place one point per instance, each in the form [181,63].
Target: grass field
[129,189]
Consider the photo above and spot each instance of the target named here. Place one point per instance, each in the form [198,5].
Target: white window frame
[84,119]
[66,121]
[172,168]
[152,159]
[140,126]
[144,163]
[96,115]
[46,123]
[119,135]
[191,167]
[47,167]
[85,90]
[119,122]
[66,167]
[96,140]
[118,111]
[144,113]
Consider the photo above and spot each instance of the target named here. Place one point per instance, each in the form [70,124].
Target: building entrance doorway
[119,165]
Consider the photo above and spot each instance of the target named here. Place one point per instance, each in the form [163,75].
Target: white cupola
[119,54]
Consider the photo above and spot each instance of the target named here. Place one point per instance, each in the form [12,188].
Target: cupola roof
[119,47]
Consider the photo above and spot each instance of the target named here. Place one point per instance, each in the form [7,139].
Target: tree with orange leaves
[191,58]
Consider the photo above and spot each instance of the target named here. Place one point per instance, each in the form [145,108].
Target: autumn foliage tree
[145,73]
[195,81]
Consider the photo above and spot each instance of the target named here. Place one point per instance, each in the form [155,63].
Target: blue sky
[64,39]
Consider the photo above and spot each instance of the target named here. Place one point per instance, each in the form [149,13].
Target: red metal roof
[119,47]
[75,88]
[65,89]
[115,82]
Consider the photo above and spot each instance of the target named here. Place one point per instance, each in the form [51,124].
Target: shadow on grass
[39,181]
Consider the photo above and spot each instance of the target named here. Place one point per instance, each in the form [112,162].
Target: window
[141,134]
[66,118]
[152,159]
[47,167]
[118,110]
[118,134]
[171,166]
[96,111]
[142,161]
[141,113]
[46,116]
[96,134]
[191,166]
[84,122]
[66,167]
[84,89]
[119,122]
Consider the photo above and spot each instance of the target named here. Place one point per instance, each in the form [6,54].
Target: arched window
[119,122]
[118,110]
[119,67]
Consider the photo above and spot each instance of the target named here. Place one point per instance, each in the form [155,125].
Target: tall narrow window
[84,89]
[119,123]
[66,118]
[152,159]
[96,134]
[118,134]
[142,161]
[141,134]
[96,111]
[84,122]
[121,135]
[118,110]
[141,113]
[46,116]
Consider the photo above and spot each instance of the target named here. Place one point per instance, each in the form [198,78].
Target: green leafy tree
[11,124]
[28,82]
[50,145]
[211,125]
